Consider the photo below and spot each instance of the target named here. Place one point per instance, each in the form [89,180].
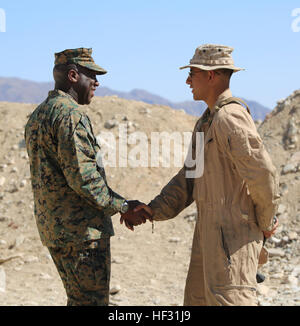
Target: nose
[97,84]
[189,80]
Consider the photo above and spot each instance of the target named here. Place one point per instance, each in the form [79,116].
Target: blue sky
[143,43]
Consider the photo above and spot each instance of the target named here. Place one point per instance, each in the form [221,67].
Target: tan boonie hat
[80,56]
[212,57]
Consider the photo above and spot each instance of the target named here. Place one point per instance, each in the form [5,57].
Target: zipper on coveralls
[225,247]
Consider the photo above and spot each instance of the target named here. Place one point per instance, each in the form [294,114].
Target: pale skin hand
[268,234]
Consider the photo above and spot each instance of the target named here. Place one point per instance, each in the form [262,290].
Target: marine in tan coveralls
[236,196]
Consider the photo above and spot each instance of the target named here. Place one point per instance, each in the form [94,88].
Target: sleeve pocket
[243,143]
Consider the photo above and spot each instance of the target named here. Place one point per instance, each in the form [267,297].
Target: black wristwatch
[124,207]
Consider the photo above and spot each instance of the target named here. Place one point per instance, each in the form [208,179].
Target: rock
[284,189]
[153,282]
[18,269]
[145,111]
[282,217]
[288,168]
[275,240]
[115,289]
[191,217]
[19,240]
[24,155]
[295,158]
[285,238]
[31,259]
[292,280]
[174,239]
[3,166]
[264,303]
[22,144]
[292,129]
[14,170]
[23,183]
[110,124]
[48,256]
[293,235]
[262,289]
[13,225]
[276,252]
[156,301]
[130,126]
[13,188]
[116,260]
[2,181]
[10,161]
[296,271]
[3,243]
[2,280]
[45,276]
[281,209]
[278,275]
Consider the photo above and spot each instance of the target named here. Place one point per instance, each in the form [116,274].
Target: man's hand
[132,218]
[268,234]
[144,207]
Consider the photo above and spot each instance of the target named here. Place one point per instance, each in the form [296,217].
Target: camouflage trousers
[85,272]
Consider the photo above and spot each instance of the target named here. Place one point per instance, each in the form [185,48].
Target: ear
[73,76]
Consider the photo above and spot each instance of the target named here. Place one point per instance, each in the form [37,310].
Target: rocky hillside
[280,132]
[147,268]
[24,91]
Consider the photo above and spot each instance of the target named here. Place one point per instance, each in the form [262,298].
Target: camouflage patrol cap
[212,57]
[80,56]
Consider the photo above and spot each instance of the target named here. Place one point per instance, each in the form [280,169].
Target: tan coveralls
[236,200]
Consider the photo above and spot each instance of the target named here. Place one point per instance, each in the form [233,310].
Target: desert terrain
[148,267]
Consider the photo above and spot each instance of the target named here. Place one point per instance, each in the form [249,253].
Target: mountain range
[25,91]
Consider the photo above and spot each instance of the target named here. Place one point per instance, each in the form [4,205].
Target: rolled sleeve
[175,196]
[178,193]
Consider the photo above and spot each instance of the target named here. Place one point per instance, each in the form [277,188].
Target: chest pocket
[90,134]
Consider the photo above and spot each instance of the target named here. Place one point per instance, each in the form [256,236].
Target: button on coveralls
[236,200]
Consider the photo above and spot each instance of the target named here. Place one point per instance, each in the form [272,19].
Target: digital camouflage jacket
[73,202]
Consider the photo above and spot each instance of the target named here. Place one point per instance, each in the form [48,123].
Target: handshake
[138,213]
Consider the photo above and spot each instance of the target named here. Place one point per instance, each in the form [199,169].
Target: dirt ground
[148,269]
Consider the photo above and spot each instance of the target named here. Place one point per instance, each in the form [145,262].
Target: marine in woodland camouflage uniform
[73,202]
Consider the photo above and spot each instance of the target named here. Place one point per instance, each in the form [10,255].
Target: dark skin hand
[132,218]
